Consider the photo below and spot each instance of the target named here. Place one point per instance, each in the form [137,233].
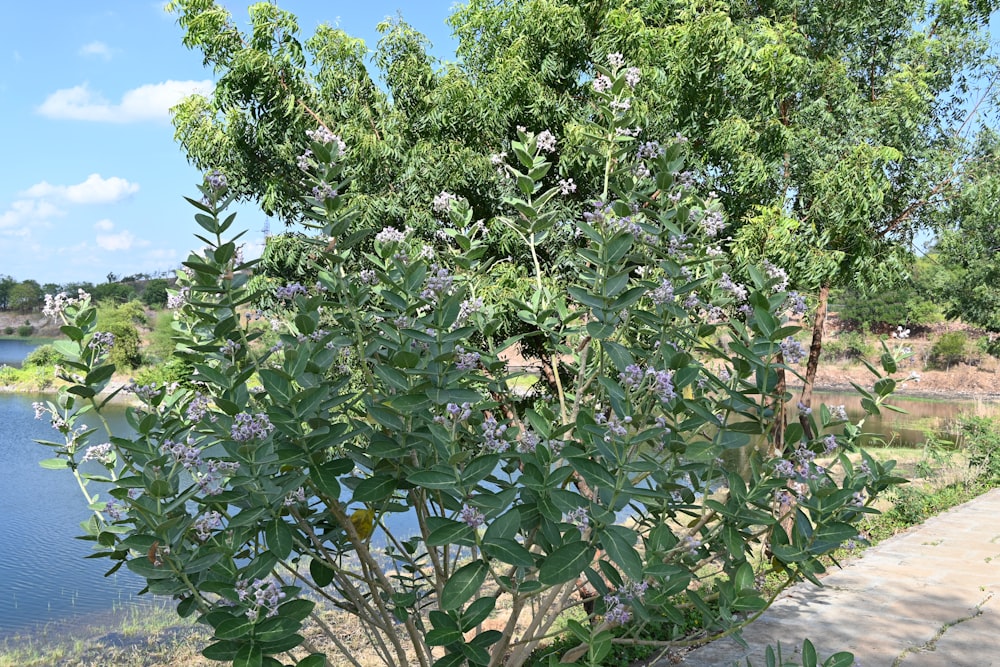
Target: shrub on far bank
[951,348]
[43,355]
[848,346]
[25,330]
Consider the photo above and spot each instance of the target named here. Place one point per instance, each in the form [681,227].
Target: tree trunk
[819,322]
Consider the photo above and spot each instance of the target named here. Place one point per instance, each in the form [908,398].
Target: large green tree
[969,244]
[828,129]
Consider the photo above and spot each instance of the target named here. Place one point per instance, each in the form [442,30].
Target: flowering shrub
[273,477]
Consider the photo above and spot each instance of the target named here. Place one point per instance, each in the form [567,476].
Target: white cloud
[99,49]
[25,211]
[151,102]
[104,225]
[17,56]
[123,240]
[94,190]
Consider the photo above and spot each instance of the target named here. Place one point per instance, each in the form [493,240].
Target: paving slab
[929,597]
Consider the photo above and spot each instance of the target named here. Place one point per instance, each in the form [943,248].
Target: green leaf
[504,526]
[463,584]
[451,532]
[296,610]
[54,464]
[479,468]
[595,474]
[279,538]
[477,612]
[234,628]
[249,655]
[450,660]
[565,563]
[841,659]
[320,573]
[374,489]
[443,636]
[508,551]
[313,660]
[617,542]
[223,651]
[277,385]
[433,479]
[808,654]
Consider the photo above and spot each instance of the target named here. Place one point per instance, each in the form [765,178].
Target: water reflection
[45,573]
[13,351]
[923,417]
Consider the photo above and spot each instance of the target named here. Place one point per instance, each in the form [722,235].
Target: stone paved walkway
[927,598]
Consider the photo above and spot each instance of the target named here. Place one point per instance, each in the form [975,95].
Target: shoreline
[928,393]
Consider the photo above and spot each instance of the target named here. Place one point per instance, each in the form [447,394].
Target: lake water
[46,577]
[48,580]
[13,351]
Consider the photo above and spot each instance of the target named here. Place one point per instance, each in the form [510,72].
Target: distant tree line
[26,296]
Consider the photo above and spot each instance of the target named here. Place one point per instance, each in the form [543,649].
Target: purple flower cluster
[103,454]
[602,84]
[144,392]
[493,436]
[295,497]
[616,428]
[737,290]
[471,516]
[206,523]
[324,191]
[546,141]
[528,442]
[468,307]
[796,303]
[662,384]
[322,135]
[663,293]
[288,292]
[210,480]
[216,180]
[439,283]
[261,595]
[116,510]
[579,517]
[230,348]
[247,427]
[838,413]
[649,150]
[632,376]
[442,203]
[179,298]
[617,602]
[56,305]
[102,342]
[390,235]
[566,186]
[632,76]
[691,545]
[459,412]
[712,223]
[792,351]
[778,274]
[184,453]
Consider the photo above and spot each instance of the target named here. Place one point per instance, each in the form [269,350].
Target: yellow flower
[364,522]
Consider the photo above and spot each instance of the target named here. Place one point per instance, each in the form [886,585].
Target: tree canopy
[825,128]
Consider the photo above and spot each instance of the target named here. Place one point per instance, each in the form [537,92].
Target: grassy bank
[135,636]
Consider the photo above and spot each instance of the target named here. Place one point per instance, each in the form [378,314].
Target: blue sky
[92,180]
